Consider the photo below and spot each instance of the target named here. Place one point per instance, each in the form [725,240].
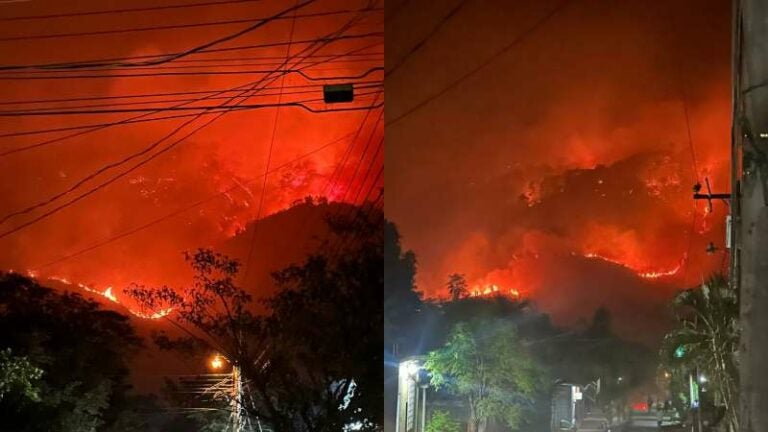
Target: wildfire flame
[492,289]
[109,295]
[643,273]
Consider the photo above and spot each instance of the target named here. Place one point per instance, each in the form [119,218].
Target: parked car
[670,420]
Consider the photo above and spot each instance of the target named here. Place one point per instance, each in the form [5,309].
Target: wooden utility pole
[750,190]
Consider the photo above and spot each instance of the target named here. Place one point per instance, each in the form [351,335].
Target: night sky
[564,168]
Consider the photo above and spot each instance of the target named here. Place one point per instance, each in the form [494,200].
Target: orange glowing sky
[209,187]
[562,170]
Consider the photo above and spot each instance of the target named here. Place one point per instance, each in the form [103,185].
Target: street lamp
[413,385]
[217,362]
[412,368]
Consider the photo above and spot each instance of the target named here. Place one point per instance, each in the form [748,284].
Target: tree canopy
[705,340]
[485,362]
[312,362]
[81,350]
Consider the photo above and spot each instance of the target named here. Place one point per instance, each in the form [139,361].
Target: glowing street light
[238,417]
[702,378]
[217,362]
[412,368]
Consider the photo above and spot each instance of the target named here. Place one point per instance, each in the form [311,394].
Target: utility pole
[750,252]
[238,414]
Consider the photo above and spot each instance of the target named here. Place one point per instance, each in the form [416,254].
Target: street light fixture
[217,362]
[412,368]
[238,417]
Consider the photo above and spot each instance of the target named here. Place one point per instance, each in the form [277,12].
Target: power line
[690,138]
[269,157]
[94,126]
[136,119]
[158,74]
[378,55]
[363,153]
[127,10]
[116,61]
[208,108]
[429,35]
[162,101]
[89,129]
[360,219]
[175,26]
[145,161]
[327,188]
[379,148]
[337,171]
[506,48]
[196,49]
[361,84]
[107,167]
[342,214]
[193,66]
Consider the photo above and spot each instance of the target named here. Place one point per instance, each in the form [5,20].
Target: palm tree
[706,340]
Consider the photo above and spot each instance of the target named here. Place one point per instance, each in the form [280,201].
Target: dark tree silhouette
[82,349]
[313,361]
[457,286]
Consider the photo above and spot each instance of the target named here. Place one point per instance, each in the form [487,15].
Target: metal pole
[423,409]
[399,399]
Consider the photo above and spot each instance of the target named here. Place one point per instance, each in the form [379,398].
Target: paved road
[642,422]
[594,422]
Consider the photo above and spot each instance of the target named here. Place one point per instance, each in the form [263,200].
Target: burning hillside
[109,170]
[564,167]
